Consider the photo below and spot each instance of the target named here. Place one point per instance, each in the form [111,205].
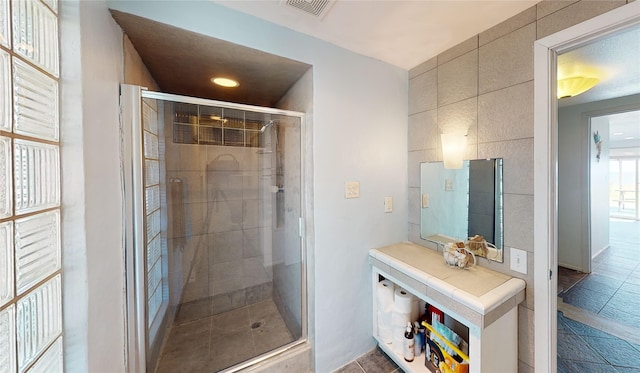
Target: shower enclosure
[213,205]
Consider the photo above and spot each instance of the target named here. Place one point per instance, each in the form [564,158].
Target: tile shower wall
[484,85]
[215,226]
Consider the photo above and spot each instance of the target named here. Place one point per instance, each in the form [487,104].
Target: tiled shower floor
[217,342]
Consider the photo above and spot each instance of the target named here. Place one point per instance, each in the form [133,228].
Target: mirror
[458,204]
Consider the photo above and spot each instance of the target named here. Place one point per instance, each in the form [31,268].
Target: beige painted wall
[135,71]
[484,85]
[93,265]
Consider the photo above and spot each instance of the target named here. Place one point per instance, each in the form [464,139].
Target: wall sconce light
[453,149]
[576,85]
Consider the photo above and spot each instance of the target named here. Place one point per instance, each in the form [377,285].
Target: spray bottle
[409,344]
[417,339]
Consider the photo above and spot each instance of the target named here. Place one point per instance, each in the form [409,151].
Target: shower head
[265,126]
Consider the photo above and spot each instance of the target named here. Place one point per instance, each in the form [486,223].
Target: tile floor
[567,278]
[213,343]
[611,291]
[585,349]
[375,361]
[613,288]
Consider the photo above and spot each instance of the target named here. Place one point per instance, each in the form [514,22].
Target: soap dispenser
[409,343]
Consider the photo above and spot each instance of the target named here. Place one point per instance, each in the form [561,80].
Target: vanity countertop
[483,292]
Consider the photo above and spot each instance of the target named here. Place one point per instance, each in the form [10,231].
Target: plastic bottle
[426,316]
[409,343]
[422,331]
[417,340]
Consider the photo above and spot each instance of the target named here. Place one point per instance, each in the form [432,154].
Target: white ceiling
[615,60]
[407,33]
[403,33]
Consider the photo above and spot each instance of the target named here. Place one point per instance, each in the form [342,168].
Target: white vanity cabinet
[484,301]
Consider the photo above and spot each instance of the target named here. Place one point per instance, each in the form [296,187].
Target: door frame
[545,169]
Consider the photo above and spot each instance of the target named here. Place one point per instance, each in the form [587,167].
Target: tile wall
[223,225]
[484,85]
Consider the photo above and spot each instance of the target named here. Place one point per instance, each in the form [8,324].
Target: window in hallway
[624,187]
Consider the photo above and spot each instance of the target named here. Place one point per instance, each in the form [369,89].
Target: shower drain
[256,325]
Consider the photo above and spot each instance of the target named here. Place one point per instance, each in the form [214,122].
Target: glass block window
[6,195]
[31,338]
[156,261]
[51,360]
[38,321]
[35,34]
[8,339]
[35,99]
[5,87]
[37,248]
[210,125]
[36,175]
[5,38]
[6,263]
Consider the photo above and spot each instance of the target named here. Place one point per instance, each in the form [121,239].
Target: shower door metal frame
[133,211]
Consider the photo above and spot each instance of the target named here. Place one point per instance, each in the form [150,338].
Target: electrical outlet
[352,189]
[388,204]
[519,260]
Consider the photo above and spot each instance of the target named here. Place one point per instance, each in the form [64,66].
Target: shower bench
[482,301]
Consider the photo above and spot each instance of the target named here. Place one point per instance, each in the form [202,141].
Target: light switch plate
[519,260]
[448,184]
[352,189]
[425,201]
[388,204]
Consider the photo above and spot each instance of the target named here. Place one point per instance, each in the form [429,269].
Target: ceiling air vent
[316,8]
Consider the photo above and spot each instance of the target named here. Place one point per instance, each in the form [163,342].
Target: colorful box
[437,360]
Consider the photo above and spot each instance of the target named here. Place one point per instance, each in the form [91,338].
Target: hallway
[582,348]
[612,290]
[608,299]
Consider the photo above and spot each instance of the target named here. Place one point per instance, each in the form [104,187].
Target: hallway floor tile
[582,348]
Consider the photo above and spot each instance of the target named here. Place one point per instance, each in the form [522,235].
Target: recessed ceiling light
[225,82]
[629,138]
[618,133]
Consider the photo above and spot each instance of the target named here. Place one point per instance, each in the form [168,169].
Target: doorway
[590,183]
[545,170]
[596,270]
[605,291]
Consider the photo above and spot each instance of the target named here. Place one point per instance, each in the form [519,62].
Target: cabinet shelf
[416,366]
[484,301]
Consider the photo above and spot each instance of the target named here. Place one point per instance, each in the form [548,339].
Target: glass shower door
[146,244]
[214,252]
